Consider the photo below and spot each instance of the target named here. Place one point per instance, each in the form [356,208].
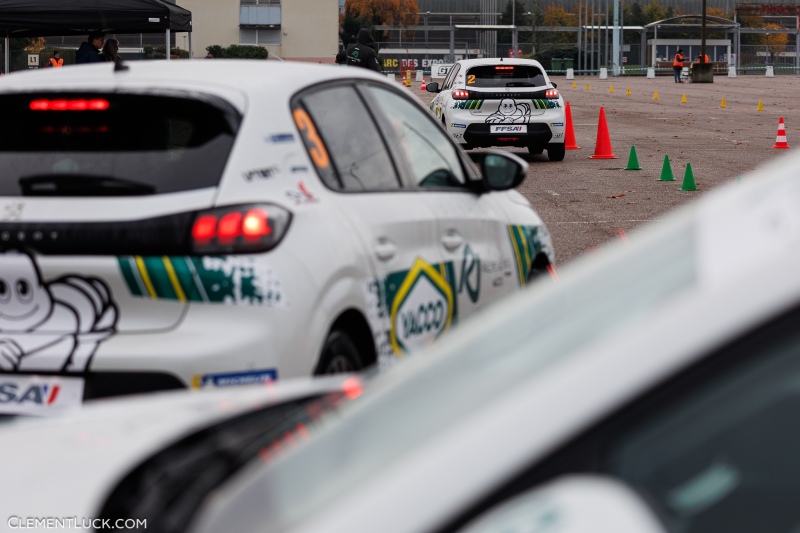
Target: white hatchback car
[211,223]
[501,102]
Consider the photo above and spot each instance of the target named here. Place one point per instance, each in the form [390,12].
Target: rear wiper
[520,84]
[81,185]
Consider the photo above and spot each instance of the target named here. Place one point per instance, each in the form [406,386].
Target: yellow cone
[574,84]
[683,99]
[587,86]
[760,106]
[628,92]
[611,88]
[723,104]
[655,95]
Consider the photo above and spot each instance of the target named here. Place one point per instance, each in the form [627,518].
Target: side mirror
[572,504]
[432,87]
[554,85]
[500,170]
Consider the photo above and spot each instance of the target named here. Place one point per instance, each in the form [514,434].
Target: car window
[451,76]
[432,158]
[720,454]
[505,76]
[162,144]
[343,127]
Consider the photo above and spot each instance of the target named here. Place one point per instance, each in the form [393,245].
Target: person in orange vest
[677,65]
[56,60]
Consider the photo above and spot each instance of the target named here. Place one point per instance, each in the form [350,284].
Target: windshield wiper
[81,185]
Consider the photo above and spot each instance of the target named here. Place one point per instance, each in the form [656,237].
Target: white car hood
[66,467]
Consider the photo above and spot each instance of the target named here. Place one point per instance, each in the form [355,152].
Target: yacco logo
[509,129]
[422,309]
[33,394]
[454,125]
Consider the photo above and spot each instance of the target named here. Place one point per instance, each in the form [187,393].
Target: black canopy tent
[42,18]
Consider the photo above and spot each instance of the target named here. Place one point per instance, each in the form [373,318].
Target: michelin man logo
[54,325]
[510,112]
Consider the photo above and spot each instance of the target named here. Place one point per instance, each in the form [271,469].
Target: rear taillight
[551,94]
[239,229]
[460,94]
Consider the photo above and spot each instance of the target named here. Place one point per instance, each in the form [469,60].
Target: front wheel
[556,151]
[339,355]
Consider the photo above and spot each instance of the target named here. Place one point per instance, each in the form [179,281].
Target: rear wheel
[556,151]
[339,355]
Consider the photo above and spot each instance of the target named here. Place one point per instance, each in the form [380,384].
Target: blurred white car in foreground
[671,366]
[77,460]
[214,223]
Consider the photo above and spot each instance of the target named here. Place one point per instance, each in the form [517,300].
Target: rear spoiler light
[236,229]
[546,94]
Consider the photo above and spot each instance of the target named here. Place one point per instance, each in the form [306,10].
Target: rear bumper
[537,135]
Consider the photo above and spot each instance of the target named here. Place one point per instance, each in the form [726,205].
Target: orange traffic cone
[423,87]
[602,148]
[780,141]
[569,140]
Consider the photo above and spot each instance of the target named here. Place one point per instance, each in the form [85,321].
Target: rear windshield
[505,76]
[53,143]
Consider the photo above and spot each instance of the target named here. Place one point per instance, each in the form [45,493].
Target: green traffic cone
[666,171]
[688,179]
[633,161]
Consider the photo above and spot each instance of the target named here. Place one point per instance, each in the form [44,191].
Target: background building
[299,30]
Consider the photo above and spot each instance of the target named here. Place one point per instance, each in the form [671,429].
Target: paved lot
[585,202]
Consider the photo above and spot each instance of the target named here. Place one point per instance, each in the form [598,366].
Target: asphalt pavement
[586,202]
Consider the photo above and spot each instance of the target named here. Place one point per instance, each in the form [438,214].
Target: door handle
[385,249]
[452,240]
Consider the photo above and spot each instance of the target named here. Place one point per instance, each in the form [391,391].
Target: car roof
[86,452]
[251,76]
[468,63]
[430,436]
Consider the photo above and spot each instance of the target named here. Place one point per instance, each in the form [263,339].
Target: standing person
[111,51]
[362,53]
[56,61]
[89,51]
[677,65]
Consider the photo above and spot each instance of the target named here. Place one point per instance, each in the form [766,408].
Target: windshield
[149,143]
[494,76]
[453,385]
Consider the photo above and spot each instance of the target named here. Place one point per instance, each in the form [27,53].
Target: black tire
[556,151]
[339,355]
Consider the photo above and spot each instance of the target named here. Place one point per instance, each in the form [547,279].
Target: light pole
[427,14]
[514,31]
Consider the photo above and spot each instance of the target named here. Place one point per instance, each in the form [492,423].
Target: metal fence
[557,57]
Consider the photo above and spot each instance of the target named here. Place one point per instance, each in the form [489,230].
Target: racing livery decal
[234,379]
[53,325]
[511,112]
[526,242]
[229,279]
[468,104]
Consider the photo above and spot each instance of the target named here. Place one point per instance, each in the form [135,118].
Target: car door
[409,299]
[440,102]
[471,230]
